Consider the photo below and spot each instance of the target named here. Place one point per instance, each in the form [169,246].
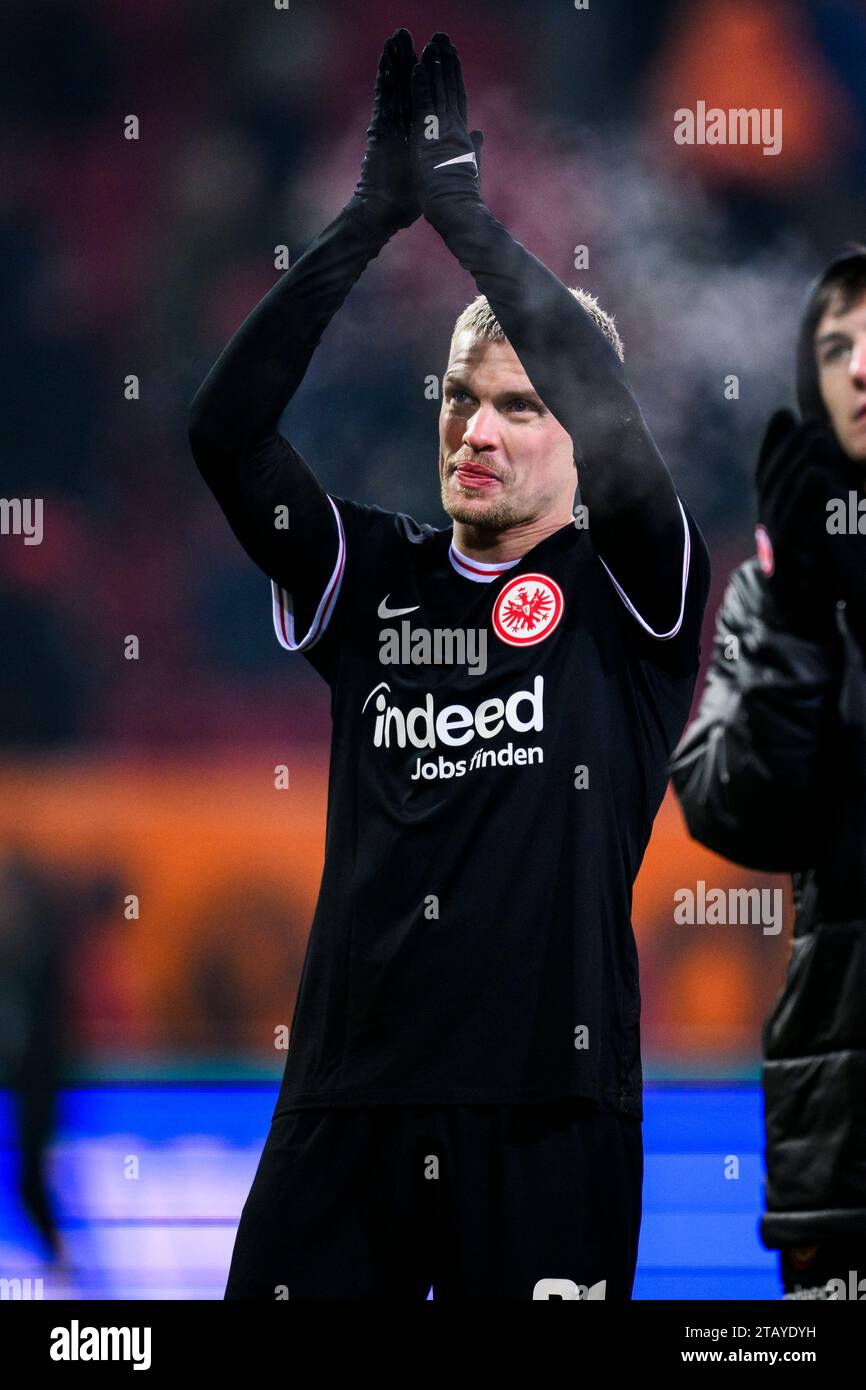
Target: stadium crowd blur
[124,257]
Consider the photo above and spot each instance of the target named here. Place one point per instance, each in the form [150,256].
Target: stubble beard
[496,514]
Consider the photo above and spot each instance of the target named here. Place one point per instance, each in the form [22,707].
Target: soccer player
[772,774]
[462,1098]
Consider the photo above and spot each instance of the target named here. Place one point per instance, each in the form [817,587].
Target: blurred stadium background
[142,1048]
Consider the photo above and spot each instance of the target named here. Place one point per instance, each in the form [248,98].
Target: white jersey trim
[481,571]
[687,548]
[284,618]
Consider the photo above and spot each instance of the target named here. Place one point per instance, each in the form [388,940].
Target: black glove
[801,467]
[445,154]
[386,186]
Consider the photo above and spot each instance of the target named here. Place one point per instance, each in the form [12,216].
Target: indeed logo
[455,725]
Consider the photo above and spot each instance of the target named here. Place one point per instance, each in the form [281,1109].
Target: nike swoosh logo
[459,159]
[385,612]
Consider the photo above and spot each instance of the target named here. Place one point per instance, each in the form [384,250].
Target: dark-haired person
[772,774]
[462,1099]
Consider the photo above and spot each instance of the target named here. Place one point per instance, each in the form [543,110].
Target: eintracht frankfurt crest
[527,609]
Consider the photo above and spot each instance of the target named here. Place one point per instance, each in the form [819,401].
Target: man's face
[840,351]
[504,460]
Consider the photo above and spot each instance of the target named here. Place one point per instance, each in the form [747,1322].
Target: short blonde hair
[480,319]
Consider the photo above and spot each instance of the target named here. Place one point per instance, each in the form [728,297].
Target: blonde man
[461,1105]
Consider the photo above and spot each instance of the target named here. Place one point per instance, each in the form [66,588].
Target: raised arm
[233,430]
[635,519]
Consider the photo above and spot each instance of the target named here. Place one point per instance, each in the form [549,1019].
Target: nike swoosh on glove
[445,155]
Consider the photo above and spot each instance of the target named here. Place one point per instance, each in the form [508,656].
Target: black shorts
[477,1201]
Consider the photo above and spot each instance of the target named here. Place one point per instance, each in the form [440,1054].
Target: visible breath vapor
[693,309]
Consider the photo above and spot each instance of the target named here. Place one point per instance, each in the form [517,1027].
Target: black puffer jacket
[772,774]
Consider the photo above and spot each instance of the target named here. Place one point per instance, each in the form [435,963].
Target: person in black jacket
[772,774]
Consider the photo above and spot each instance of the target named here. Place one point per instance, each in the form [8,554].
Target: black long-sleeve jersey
[500,730]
